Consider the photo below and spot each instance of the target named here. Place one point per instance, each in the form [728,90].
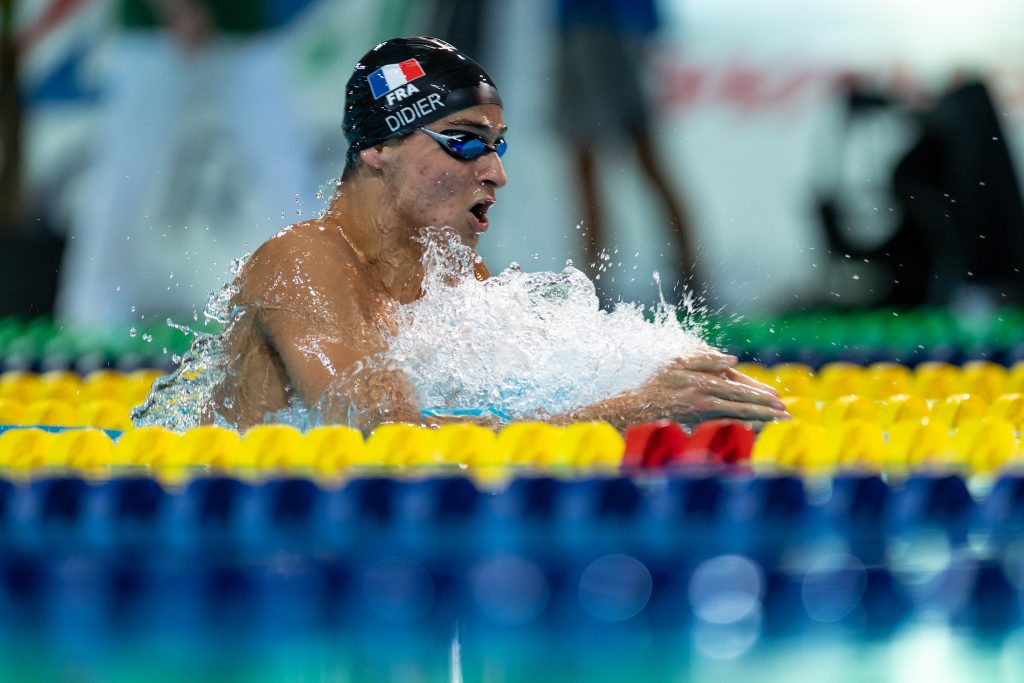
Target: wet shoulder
[301,257]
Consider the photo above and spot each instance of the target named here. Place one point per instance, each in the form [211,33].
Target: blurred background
[788,156]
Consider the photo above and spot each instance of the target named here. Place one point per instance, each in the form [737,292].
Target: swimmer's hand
[708,386]
[689,390]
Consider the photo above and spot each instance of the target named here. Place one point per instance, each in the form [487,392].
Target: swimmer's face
[431,187]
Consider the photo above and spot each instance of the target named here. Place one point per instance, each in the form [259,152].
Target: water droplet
[132,332]
[147,338]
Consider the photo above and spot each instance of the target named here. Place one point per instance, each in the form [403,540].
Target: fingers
[742,392]
[717,408]
[711,375]
[706,386]
[736,375]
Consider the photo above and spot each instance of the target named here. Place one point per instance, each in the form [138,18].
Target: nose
[491,170]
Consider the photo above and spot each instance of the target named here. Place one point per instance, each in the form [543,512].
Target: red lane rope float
[720,442]
[663,443]
[654,444]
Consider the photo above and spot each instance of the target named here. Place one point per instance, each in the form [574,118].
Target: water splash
[179,401]
[519,345]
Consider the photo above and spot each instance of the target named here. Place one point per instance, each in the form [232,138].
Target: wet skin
[319,296]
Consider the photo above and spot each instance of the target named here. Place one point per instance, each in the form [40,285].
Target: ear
[376,157]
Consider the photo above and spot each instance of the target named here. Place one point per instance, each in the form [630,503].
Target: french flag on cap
[391,76]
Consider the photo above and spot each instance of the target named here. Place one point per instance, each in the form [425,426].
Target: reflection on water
[519,346]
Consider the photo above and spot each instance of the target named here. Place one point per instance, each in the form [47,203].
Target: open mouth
[479,212]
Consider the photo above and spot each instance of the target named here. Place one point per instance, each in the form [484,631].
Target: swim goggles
[466,146]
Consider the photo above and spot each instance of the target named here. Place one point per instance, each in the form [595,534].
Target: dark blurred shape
[959,200]
[763,514]
[279,514]
[681,520]
[11,119]
[124,513]
[28,258]
[856,512]
[461,23]
[29,263]
[49,513]
[357,516]
[937,501]
[884,605]
[1002,510]
[602,61]
[205,513]
[962,155]
[993,607]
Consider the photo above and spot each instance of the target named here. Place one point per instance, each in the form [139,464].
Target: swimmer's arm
[310,311]
[689,391]
[321,368]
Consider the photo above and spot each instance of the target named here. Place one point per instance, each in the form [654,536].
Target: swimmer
[426,134]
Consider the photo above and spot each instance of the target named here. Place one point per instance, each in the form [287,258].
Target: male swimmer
[426,134]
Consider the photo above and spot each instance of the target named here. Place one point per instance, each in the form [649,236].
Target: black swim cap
[404,84]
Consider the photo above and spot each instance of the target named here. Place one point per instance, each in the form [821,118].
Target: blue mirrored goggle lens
[474,147]
[471,149]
